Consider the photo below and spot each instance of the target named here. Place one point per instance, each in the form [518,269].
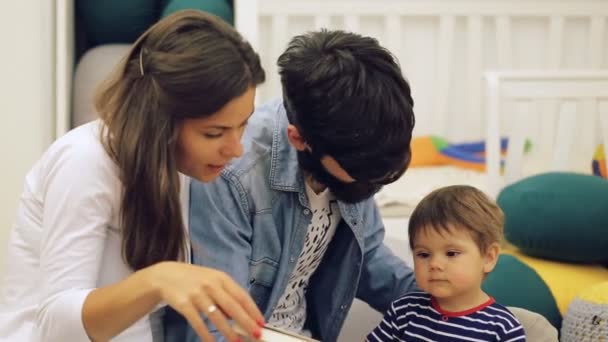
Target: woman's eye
[212,135]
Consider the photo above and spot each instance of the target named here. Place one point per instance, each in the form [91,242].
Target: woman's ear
[295,138]
[491,257]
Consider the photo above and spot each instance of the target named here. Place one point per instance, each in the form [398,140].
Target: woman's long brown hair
[188,65]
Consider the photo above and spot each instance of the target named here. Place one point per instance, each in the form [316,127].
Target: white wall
[26,98]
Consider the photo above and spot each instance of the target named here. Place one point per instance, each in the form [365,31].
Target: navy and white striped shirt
[417,317]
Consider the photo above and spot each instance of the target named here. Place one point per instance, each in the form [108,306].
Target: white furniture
[574,94]
[444,46]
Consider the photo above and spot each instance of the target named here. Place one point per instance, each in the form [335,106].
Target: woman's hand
[191,290]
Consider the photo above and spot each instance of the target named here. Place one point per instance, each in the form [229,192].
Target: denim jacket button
[292,259]
[306,212]
[354,223]
[343,307]
[251,280]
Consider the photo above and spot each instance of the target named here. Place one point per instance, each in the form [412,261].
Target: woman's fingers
[194,290]
[235,304]
[243,298]
[216,316]
[193,317]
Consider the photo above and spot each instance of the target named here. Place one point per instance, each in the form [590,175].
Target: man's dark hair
[349,100]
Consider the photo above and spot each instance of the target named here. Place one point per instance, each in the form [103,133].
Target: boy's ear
[491,257]
[295,138]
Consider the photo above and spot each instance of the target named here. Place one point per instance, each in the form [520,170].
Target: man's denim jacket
[251,223]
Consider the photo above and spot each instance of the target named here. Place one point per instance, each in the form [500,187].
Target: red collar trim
[436,306]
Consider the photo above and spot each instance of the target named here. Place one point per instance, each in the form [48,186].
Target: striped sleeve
[387,329]
[517,334]
[511,328]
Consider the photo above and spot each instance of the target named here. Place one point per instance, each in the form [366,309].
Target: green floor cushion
[221,8]
[120,21]
[559,216]
[116,21]
[513,283]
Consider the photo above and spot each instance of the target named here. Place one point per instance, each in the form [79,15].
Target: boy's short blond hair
[461,206]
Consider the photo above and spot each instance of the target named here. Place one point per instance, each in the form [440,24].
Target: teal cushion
[560,216]
[513,283]
[116,21]
[221,8]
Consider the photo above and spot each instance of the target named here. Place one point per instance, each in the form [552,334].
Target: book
[274,334]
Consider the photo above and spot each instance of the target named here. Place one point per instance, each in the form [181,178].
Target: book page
[273,334]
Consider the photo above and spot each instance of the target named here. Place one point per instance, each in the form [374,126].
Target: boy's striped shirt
[417,317]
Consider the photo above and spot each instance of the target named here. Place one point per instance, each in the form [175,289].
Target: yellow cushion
[597,294]
[565,280]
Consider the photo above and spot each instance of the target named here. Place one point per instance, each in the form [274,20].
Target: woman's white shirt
[65,242]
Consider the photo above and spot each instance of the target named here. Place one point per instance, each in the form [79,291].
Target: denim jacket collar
[285,173]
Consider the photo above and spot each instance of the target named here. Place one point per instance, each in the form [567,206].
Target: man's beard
[346,192]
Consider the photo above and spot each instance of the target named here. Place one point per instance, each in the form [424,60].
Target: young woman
[100,241]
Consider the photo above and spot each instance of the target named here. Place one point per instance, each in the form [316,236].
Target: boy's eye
[452,253]
[422,255]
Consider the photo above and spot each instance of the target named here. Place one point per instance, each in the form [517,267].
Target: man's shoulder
[262,123]
[259,140]
[258,137]
[253,166]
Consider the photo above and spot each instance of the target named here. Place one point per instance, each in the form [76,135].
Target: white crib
[444,47]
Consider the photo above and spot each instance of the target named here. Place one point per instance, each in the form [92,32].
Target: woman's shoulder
[82,143]
[86,134]
[75,167]
[79,152]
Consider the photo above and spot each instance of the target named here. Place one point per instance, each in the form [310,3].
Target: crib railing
[444,46]
[577,95]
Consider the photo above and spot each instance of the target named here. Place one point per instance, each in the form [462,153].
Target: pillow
[587,316]
[560,216]
[92,69]
[221,8]
[537,328]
